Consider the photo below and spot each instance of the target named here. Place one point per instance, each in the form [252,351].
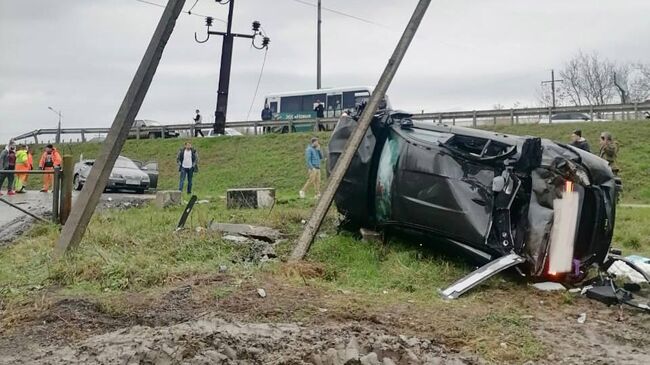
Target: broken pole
[83,209]
[65,201]
[341,167]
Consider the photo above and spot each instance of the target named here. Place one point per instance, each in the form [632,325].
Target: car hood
[129,173]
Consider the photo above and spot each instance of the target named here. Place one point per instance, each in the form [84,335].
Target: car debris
[261,292]
[546,208]
[186,213]
[256,232]
[549,286]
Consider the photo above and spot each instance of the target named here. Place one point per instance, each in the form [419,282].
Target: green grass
[634,142]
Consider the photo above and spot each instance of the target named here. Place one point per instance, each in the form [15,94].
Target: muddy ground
[297,324]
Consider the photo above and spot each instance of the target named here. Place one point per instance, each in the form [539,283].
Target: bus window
[348,100]
[291,104]
[308,101]
[334,105]
[274,106]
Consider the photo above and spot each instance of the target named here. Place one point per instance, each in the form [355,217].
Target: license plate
[132,182]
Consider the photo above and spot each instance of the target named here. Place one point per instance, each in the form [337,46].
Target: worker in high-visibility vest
[22,164]
[49,160]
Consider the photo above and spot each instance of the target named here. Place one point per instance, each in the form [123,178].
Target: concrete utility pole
[343,163]
[552,81]
[226,62]
[318,48]
[83,209]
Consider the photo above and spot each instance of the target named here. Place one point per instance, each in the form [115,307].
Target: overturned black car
[545,207]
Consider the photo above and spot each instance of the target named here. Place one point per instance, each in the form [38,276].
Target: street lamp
[58,131]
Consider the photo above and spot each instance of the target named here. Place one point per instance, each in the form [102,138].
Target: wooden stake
[83,209]
[307,237]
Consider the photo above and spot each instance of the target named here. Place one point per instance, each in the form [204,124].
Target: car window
[125,163]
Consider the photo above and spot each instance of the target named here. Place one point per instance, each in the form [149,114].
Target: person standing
[267,113]
[22,165]
[578,141]
[198,119]
[313,157]
[49,160]
[187,160]
[320,113]
[8,162]
[609,150]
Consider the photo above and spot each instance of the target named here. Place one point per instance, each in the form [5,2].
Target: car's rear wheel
[77,183]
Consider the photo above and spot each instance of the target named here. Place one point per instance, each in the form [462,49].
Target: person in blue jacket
[313,157]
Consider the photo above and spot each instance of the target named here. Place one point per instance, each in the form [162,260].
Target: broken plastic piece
[481,274]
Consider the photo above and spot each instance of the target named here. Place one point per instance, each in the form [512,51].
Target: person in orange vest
[22,164]
[49,160]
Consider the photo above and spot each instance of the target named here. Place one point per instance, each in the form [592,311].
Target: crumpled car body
[488,194]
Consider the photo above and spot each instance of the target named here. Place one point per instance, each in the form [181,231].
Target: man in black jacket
[578,141]
[187,160]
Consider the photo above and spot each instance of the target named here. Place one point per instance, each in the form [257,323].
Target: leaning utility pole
[318,48]
[552,81]
[226,62]
[343,163]
[83,209]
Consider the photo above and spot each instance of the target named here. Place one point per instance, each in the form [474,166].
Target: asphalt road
[14,222]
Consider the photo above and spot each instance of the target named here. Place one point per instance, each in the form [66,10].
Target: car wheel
[140,191]
[77,183]
[152,135]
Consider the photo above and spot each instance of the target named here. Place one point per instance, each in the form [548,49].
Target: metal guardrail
[472,116]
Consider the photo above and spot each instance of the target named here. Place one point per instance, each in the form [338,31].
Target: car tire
[152,135]
[77,183]
[140,191]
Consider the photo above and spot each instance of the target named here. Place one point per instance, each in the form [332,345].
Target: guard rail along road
[471,118]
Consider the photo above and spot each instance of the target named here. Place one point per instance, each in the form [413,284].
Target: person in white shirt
[187,161]
[198,119]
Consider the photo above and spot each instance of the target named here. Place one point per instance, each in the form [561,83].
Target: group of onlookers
[608,147]
[18,160]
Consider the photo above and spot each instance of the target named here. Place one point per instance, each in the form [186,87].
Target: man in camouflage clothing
[609,150]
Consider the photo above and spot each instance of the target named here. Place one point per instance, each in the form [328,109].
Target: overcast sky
[80,55]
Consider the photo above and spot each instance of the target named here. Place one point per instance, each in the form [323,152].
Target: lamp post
[58,130]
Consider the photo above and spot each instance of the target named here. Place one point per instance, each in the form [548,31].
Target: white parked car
[569,118]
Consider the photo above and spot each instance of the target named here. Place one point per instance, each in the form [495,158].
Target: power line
[338,12]
[259,80]
[188,12]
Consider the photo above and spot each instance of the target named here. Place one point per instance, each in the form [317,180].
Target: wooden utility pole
[552,81]
[66,189]
[341,167]
[83,209]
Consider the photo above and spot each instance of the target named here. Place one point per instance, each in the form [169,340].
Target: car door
[151,169]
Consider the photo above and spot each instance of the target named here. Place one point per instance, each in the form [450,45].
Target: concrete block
[168,198]
[250,198]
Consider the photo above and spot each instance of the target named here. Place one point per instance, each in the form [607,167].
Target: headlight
[145,179]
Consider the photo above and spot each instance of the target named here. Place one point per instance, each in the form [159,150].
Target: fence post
[56,193]
[474,118]
[254,127]
[137,132]
[550,114]
[591,112]
[290,126]
[83,136]
[512,117]
[494,120]
[65,201]
[453,121]
[35,138]
[192,131]
[636,111]
[162,132]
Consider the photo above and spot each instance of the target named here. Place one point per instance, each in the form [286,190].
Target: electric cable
[338,12]
[188,12]
[259,81]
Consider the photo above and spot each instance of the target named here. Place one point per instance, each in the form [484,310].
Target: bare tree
[635,80]
[589,80]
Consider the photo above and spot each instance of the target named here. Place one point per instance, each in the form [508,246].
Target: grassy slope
[134,250]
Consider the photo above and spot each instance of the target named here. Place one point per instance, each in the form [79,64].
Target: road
[13,222]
